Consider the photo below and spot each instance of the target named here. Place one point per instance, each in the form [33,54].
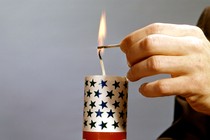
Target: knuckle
[162,87]
[147,43]
[197,65]
[197,29]
[153,64]
[196,44]
[198,103]
[153,28]
[197,82]
[192,100]
[125,44]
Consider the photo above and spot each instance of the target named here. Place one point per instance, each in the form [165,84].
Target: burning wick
[101,62]
[100,57]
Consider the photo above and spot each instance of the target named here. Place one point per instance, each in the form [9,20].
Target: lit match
[109,46]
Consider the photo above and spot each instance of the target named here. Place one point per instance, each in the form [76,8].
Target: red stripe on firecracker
[104,135]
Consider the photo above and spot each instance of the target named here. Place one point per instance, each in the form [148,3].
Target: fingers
[160,28]
[167,87]
[161,45]
[174,65]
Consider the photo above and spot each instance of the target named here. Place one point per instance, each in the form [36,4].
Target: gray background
[47,47]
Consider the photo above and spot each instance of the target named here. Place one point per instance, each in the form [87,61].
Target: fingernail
[141,89]
[129,65]
[127,79]
[129,75]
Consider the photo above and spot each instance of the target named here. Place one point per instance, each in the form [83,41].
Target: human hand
[179,50]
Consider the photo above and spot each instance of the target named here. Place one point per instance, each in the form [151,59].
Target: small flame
[101,38]
[102,29]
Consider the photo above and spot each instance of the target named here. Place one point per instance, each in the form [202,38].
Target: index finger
[160,28]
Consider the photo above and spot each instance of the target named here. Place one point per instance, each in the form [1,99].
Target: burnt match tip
[109,46]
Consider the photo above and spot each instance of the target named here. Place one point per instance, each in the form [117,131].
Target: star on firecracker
[110,94]
[125,84]
[97,93]
[125,104]
[86,83]
[98,113]
[116,84]
[103,104]
[85,104]
[115,124]
[89,93]
[121,94]
[92,104]
[103,125]
[116,104]
[124,125]
[121,114]
[92,83]
[103,84]
[85,123]
[89,113]
[110,114]
[92,124]
[126,96]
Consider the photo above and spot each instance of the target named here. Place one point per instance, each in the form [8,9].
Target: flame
[102,29]
[101,38]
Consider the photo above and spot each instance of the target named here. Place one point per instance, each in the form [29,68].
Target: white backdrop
[47,47]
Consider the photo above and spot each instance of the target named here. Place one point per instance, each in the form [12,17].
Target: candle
[105,101]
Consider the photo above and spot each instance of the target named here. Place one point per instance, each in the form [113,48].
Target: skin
[182,51]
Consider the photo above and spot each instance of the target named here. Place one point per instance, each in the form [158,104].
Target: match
[109,46]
